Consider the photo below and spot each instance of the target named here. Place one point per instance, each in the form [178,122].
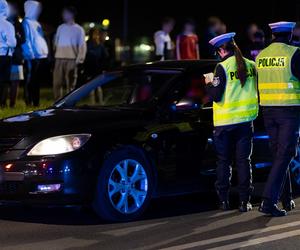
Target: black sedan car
[119,141]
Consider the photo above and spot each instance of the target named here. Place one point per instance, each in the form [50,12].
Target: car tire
[108,198]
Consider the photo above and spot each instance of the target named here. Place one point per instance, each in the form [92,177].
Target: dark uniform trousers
[282,125]
[234,142]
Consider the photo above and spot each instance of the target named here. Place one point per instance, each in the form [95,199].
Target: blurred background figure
[70,51]
[215,27]
[296,35]
[254,43]
[35,51]
[17,72]
[96,56]
[96,60]
[187,43]
[223,28]
[251,30]
[163,41]
[109,48]
[7,45]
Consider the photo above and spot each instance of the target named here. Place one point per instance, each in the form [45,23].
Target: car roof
[186,65]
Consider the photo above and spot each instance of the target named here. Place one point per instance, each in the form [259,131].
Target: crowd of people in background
[25,50]
[79,57]
[188,46]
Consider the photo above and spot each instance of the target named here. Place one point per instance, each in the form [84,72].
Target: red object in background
[197,89]
[188,46]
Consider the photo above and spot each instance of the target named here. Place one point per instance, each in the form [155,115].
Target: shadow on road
[159,208]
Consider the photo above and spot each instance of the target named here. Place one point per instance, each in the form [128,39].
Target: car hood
[58,121]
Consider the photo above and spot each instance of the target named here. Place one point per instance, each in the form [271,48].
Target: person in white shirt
[162,40]
[7,44]
[35,51]
[70,51]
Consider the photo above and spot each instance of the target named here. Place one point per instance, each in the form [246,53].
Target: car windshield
[116,89]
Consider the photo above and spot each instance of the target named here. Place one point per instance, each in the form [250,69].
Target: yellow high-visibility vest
[238,104]
[277,85]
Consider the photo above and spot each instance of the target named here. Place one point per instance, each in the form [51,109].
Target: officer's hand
[209,77]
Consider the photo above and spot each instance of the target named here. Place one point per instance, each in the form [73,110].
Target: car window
[192,95]
[115,92]
[126,88]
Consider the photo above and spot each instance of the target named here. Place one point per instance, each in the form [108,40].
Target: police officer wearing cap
[278,68]
[235,105]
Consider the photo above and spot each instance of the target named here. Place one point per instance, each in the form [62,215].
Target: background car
[119,141]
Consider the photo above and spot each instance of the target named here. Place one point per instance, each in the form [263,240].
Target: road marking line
[215,225]
[129,230]
[222,214]
[233,236]
[258,241]
[57,244]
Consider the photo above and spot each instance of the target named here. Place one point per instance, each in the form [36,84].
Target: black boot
[224,206]
[288,205]
[271,209]
[245,206]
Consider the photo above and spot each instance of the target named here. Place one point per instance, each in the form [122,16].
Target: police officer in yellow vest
[235,105]
[278,68]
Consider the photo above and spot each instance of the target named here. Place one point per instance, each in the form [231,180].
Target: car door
[185,137]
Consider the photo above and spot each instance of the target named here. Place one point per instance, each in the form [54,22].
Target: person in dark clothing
[279,84]
[17,74]
[97,55]
[109,49]
[96,60]
[255,45]
[215,27]
[233,91]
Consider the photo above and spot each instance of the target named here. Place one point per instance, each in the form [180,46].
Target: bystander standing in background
[35,51]
[163,41]
[215,27]
[256,45]
[7,45]
[96,56]
[70,51]
[17,73]
[109,46]
[95,61]
[187,43]
[254,41]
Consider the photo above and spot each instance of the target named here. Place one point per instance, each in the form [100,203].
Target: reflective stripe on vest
[276,84]
[239,104]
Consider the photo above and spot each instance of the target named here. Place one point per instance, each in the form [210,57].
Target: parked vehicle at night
[119,141]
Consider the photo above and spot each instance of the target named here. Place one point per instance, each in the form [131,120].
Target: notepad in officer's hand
[209,78]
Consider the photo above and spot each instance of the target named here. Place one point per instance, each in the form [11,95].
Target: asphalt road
[171,223]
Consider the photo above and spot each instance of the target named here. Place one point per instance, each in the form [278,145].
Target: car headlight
[59,144]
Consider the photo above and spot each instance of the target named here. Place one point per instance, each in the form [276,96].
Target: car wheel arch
[115,154]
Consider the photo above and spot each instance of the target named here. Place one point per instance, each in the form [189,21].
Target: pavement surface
[170,223]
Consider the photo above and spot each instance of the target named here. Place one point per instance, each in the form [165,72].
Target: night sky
[145,16]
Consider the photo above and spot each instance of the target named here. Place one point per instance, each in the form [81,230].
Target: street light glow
[106,22]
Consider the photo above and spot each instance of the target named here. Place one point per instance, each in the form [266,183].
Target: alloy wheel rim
[128,186]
